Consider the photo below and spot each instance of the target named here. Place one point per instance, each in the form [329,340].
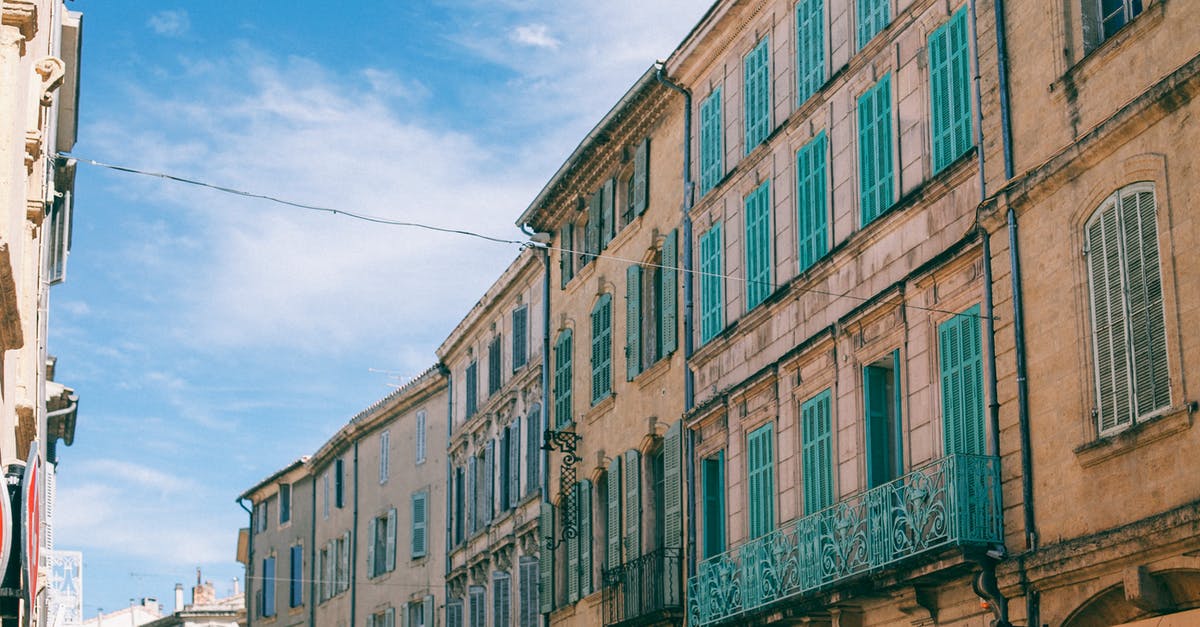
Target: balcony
[952,502]
[645,590]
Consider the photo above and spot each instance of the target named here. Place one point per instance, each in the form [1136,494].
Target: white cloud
[535,35]
[126,473]
[169,23]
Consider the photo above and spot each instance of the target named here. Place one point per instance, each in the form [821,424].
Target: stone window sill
[1169,422]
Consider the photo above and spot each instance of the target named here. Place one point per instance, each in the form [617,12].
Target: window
[650,308]
[381,544]
[882,398]
[384,450]
[339,483]
[520,337]
[296,576]
[632,471]
[712,480]
[459,506]
[454,613]
[513,476]
[712,156]
[501,600]
[386,618]
[657,502]
[285,503]
[812,201]
[602,349]
[950,90]
[810,48]
[472,391]
[758,245]
[546,560]
[325,497]
[562,379]
[420,456]
[817,453]
[343,563]
[612,515]
[322,569]
[1128,323]
[579,548]
[760,466]
[757,114]
[478,606]
[268,594]
[529,614]
[260,516]
[1110,15]
[873,15]
[712,280]
[505,469]
[420,613]
[566,256]
[961,362]
[641,178]
[494,360]
[533,444]
[875,183]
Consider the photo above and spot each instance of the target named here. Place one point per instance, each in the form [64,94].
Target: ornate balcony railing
[647,587]
[954,501]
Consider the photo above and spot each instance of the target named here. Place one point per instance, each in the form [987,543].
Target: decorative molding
[918,604]
[11,335]
[22,14]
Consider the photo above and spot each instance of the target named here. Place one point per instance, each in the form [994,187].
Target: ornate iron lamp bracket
[566,443]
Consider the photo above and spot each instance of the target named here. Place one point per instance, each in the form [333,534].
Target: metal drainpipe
[312,562]
[545,416]
[689,383]
[449,485]
[249,560]
[354,543]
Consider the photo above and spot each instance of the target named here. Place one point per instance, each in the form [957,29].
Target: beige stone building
[494,460]
[39,89]
[613,527]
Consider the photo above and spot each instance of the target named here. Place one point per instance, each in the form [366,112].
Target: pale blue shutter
[758,245]
[817,462]
[757,86]
[584,526]
[546,558]
[810,48]
[633,504]
[876,186]
[613,531]
[670,287]
[390,558]
[673,486]
[371,547]
[514,463]
[641,177]
[760,465]
[418,524]
[712,157]
[608,205]
[633,321]
[812,202]
[489,489]
[269,586]
[591,231]
[961,365]
[711,281]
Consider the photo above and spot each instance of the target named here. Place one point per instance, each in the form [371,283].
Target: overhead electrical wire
[499,240]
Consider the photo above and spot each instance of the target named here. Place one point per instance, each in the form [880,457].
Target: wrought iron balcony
[646,589]
[954,501]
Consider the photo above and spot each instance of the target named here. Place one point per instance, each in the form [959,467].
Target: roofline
[647,77]
[273,477]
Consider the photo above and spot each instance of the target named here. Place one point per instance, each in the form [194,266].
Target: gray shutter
[592,230]
[1147,324]
[371,547]
[546,558]
[585,537]
[573,552]
[633,321]
[472,495]
[514,463]
[633,504]
[420,523]
[670,287]
[673,487]
[371,620]
[613,539]
[390,558]
[533,448]
[608,209]
[427,610]
[489,490]
[641,177]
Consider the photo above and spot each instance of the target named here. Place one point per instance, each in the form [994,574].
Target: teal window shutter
[602,349]
[757,86]
[950,90]
[613,531]
[875,176]
[961,363]
[712,131]
[633,504]
[760,480]
[419,524]
[712,279]
[584,526]
[810,48]
[758,245]
[608,219]
[562,379]
[591,230]
[712,479]
[546,558]
[673,486]
[633,321]
[268,596]
[873,15]
[669,293]
[641,177]
[812,201]
[566,254]
[817,455]
[371,535]
[573,554]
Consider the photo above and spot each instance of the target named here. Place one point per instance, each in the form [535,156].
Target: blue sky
[213,339]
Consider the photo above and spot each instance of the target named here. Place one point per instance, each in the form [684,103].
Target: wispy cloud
[535,35]
[170,23]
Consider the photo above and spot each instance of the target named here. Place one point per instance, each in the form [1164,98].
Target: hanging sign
[31,521]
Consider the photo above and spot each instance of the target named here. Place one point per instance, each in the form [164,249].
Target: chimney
[178,597]
[235,587]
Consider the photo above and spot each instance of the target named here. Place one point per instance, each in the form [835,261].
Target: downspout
[312,563]
[249,559]
[689,382]
[354,543]
[449,484]
[544,412]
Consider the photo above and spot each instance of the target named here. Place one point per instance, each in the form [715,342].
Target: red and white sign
[31,520]
[6,526]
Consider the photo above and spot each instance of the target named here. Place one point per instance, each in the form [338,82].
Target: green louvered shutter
[712,157]
[875,176]
[641,177]
[546,558]
[633,504]
[873,15]
[760,463]
[810,48]
[757,86]
[371,547]
[608,208]
[758,245]
[817,463]
[562,379]
[584,526]
[673,486]
[633,321]
[419,523]
[566,256]
[613,531]
[573,553]
[602,349]
[812,204]
[711,280]
[670,288]
[950,90]
[591,231]
[961,365]
[713,490]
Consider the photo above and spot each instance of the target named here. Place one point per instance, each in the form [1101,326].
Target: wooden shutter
[633,504]
[812,201]
[810,48]
[562,379]
[489,486]
[520,338]
[613,532]
[961,368]
[712,167]
[757,86]
[950,90]
[1147,324]
[758,245]
[711,281]
[389,616]
[514,463]
[339,483]
[876,193]
[760,460]
[501,600]
[371,547]
[546,559]
[584,526]
[633,321]
[528,612]
[608,208]
[873,15]
[269,586]
[533,449]
[817,462]
[566,256]
[713,490]
[472,493]
[602,348]
[673,487]
[1114,387]
[670,288]
[591,230]
[641,177]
